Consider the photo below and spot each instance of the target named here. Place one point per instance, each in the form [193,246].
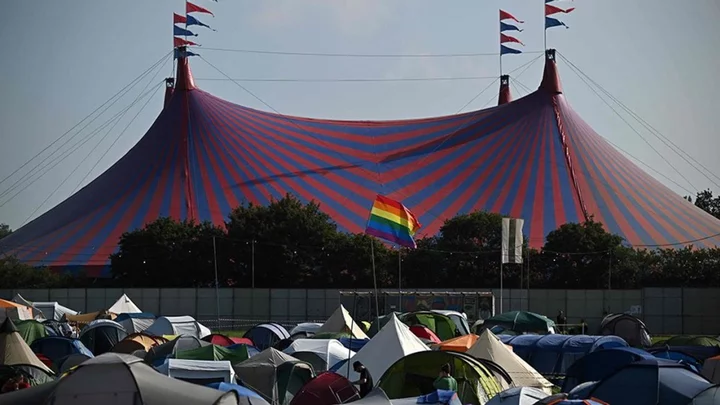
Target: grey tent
[274,375]
[628,327]
[119,379]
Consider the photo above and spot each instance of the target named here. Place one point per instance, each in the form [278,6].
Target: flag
[194,21]
[550,10]
[512,240]
[179,19]
[184,54]
[554,22]
[504,50]
[504,15]
[192,8]
[507,38]
[508,27]
[392,221]
[182,32]
[182,42]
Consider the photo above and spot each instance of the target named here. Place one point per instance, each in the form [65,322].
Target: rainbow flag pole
[392,221]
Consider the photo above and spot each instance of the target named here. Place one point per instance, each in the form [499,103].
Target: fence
[664,310]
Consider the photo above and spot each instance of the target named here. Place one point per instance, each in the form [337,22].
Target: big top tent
[532,158]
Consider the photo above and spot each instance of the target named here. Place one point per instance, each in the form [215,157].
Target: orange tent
[10,304]
[458,344]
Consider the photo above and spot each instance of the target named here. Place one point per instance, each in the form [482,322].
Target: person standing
[561,321]
[445,381]
[365,382]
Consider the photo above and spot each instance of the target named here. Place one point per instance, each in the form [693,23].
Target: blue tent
[239,389]
[679,357]
[554,354]
[440,397]
[649,382]
[266,335]
[252,350]
[701,353]
[353,344]
[600,364]
[58,347]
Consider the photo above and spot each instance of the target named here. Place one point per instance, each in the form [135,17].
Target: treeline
[288,244]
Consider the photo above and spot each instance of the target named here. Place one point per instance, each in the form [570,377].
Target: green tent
[31,330]
[442,325]
[689,340]
[215,353]
[521,322]
[413,375]
[275,375]
[331,335]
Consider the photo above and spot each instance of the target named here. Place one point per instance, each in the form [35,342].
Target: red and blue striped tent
[532,158]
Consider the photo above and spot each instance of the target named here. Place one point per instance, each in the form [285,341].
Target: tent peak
[183,77]
[551,79]
[504,96]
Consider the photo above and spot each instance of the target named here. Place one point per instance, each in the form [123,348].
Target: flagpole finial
[504,96]
[551,80]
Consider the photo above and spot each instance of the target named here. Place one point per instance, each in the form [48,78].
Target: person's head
[445,370]
[560,312]
[357,366]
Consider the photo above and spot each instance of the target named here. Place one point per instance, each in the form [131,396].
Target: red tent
[425,334]
[328,388]
[222,340]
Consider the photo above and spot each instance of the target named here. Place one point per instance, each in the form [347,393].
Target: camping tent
[215,353]
[689,340]
[135,322]
[69,362]
[266,335]
[711,369]
[14,311]
[553,354]
[157,355]
[628,327]
[414,375]
[393,342]
[322,354]
[14,350]
[379,322]
[58,347]
[522,322]
[458,344]
[518,396]
[222,340]
[118,379]
[247,396]
[177,325]
[600,364]
[326,389]
[274,375]
[101,335]
[442,325]
[489,347]
[426,335]
[47,310]
[124,305]
[201,372]
[341,322]
[305,329]
[137,341]
[31,330]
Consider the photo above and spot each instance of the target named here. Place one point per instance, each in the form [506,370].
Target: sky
[62,60]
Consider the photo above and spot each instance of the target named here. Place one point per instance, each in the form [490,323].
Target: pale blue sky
[62,59]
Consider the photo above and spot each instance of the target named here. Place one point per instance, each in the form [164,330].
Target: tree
[14,274]
[5,230]
[705,201]
[167,253]
[289,239]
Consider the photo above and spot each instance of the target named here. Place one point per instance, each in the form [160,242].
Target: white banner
[512,240]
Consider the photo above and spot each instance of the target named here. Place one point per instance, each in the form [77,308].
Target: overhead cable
[352,80]
[362,55]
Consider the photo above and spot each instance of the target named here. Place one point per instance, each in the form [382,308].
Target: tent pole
[501,286]
[399,280]
[377,300]
[217,284]
[252,263]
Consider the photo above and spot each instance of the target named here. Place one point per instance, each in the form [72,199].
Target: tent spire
[183,78]
[505,96]
[551,80]
[169,88]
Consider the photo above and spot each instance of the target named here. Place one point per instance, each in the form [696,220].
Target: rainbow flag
[392,221]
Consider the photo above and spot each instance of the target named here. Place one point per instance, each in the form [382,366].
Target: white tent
[48,310]
[518,396]
[305,329]
[201,371]
[341,322]
[124,305]
[393,342]
[178,325]
[489,347]
[322,354]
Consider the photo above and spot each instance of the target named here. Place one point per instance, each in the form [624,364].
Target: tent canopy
[57,347]
[13,349]
[177,325]
[157,355]
[341,322]
[458,344]
[215,353]
[327,388]
[597,365]
[101,335]
[425,334]
[689,340]
[322,354]
[138,341]
[628,327]
[266,335]
[274,375]
[124,305]
[522,322]
[201,372]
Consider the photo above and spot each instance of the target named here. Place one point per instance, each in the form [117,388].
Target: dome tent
[178,325]
[266,335]
[274,375]
[322,354]
[101,335]
[135,322]
[157,354]
[628,327]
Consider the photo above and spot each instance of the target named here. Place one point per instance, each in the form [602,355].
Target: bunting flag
[504,15]
[184,54]
[508,27]
[392,221]
[183,42]
[554,22]
[505,50]
[182,32]
[179,19]
[194,21]
[192,8]
[550,10]
[507,38]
